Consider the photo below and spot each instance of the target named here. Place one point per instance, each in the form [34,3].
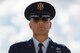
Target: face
[40,26]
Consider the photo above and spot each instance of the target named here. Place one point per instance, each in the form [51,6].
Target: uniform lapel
[31,48]
[51,47]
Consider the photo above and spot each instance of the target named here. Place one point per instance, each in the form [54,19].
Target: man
[40,15]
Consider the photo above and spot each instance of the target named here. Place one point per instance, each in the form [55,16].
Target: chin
[42,33]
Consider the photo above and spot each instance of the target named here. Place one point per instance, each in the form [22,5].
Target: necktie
[40,48]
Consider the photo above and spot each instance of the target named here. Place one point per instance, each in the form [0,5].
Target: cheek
[48,26]
[33,27]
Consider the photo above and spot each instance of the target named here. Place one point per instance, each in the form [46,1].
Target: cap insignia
[40,6]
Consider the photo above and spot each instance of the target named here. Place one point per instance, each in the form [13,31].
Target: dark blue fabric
[28,47]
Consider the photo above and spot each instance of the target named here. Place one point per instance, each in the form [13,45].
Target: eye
[45,19]
[35,19]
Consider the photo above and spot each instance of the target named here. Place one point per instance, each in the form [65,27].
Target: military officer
[40,15]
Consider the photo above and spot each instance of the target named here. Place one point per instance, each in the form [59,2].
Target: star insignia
[40,6]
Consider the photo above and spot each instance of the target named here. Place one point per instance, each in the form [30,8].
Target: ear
[30,25]
[50,24]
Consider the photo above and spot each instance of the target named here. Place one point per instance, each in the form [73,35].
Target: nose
[40,22]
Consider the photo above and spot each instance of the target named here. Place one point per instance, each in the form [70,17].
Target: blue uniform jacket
[28,47]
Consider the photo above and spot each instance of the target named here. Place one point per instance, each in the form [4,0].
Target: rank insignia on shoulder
[58,50]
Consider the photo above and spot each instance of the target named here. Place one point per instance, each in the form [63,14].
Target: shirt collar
[45,43]
[35,42]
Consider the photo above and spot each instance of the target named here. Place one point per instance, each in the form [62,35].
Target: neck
[41,38]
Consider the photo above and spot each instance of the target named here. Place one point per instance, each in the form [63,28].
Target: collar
[45,43]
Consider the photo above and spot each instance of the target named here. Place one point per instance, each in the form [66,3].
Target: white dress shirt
[44,47]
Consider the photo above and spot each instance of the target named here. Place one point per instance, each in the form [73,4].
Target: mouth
[41,28]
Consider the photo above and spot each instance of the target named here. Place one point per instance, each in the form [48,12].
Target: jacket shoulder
[62,48]
[19,44]
[18,47]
